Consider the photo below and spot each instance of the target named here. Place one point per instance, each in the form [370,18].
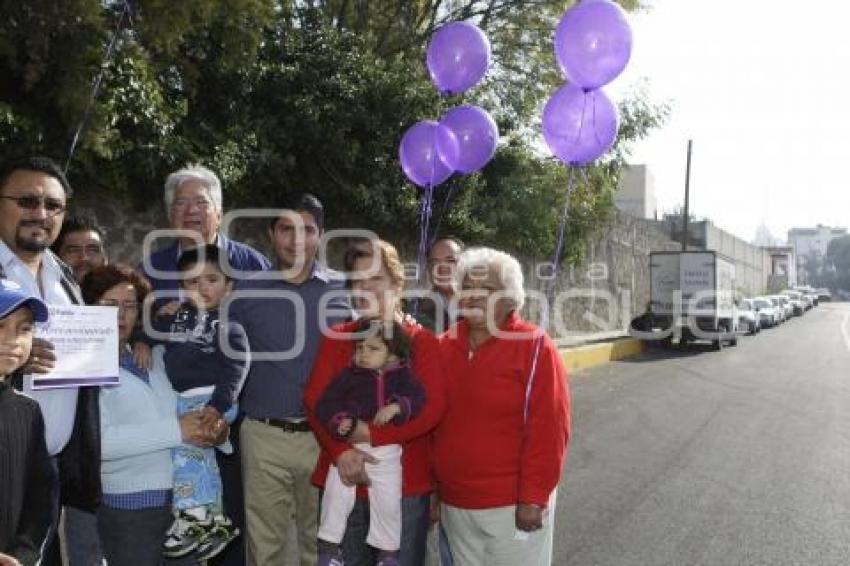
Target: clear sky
[763,89]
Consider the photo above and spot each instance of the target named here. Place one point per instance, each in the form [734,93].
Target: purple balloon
[468,139]
[593,43]
[579,125]
[458,57]
[418,154]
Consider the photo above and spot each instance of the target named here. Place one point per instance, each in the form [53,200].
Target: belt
[287,426]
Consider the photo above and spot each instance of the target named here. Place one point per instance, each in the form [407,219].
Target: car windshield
[762,303]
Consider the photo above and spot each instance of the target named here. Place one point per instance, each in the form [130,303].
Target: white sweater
[138,429]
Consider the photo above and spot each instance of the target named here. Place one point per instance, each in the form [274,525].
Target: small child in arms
[378,387]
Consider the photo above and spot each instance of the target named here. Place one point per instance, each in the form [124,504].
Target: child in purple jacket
[378,387]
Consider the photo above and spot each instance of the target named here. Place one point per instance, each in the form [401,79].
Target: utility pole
[687,198]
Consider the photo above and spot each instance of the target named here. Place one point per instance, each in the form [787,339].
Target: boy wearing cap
[25,469]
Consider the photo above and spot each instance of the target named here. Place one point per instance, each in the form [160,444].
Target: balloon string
[549,292]
[443,211]
[559,247]
[425,210]
[581,122]
[110,49]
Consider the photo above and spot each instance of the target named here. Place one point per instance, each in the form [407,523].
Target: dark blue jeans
[133,538]
[414,533]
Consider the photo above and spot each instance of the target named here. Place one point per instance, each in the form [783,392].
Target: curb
[592,355]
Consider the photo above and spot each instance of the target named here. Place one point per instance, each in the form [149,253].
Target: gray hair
[197,173]
[485,259]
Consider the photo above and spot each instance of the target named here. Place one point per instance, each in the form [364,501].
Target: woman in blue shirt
[138,429]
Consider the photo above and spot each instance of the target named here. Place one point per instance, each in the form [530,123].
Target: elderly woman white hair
[500,449]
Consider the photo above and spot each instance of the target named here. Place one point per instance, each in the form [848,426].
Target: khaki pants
[489,537]
[276,468]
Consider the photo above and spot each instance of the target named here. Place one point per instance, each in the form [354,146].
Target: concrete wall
[752,263]
[636,193]
[611,286]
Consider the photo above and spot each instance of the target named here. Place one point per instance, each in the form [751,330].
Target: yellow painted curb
[593,355]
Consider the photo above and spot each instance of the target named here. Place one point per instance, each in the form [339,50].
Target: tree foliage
[289,96]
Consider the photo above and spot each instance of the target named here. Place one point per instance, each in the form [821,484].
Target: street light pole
[687,197]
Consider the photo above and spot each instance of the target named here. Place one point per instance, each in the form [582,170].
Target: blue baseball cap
[12,297]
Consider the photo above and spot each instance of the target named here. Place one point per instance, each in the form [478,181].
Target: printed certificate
[86,342]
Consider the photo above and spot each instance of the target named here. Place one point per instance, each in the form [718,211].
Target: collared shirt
[58,406]
[241,257]
[274,325]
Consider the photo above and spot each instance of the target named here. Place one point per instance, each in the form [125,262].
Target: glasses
[80,251]
[201,203]
[126,306]
[52,206]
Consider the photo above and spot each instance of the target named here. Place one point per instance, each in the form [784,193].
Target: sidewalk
[582,351]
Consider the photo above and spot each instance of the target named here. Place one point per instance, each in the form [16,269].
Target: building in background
[636,193]
[783,268]
[810,245]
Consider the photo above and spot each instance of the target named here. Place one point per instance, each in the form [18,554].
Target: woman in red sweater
[500,449]
[377,281]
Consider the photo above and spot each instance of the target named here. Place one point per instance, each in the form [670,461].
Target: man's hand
[142,355]
[351,466]
[42,359]
[386,413]
[529,517]
[6,560]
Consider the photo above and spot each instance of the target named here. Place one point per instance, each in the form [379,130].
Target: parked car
[787,308]
[766,311]
[796,302]
[824,295]
[747,318]
[778,307]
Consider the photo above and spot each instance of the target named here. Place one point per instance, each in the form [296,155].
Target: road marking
[845,330]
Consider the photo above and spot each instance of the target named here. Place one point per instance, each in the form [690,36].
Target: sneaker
[330,559]
[216,539]
[184,536]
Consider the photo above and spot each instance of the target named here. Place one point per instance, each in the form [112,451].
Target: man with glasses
[193,202]
[81,245]
[33,197]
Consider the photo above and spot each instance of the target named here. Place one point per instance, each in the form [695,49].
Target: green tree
[838,262]
[289,96]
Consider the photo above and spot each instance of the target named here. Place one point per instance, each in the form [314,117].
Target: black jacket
[79,461]
[25,477]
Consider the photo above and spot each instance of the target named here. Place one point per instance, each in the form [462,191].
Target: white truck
[692,296]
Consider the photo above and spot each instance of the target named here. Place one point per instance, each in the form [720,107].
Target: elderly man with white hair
[193,202]
[500,449]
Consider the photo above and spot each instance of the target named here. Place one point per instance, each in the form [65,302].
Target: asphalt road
[722,458]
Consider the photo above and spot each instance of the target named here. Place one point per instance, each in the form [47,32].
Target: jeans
[415,519]
[133,537]
[197,482]
[81,538]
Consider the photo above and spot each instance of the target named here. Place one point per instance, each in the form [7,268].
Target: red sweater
[334,355]
[484,456]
